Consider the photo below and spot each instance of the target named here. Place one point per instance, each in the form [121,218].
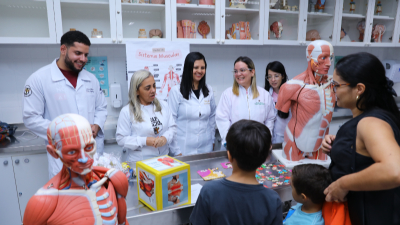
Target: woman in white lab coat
[275,76]
[193,107]
[145,126]
[245,100]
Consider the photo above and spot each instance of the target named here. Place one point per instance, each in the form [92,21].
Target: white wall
[18,62]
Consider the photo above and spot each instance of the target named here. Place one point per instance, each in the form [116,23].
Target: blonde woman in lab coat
[245,100]
[193,107]
[145,126]
[275,76]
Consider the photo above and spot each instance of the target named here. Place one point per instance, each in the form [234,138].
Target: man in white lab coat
[63,87]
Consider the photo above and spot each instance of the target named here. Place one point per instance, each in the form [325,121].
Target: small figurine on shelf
[187,26]
[179,29]
[273,4]
[277,28]
[378,8]
[125,1]
[352,6]
[377,32]
[203,28]
[97,34]
[142,33]
[157,1]
[312,4]
[237,3]
[155,33]
[144,1]
[207,2]
[240,31]
[320,6]
[294,8]
[193,30]
[361,29]
[287,7]
[183,1]
[343,36]
[312,35]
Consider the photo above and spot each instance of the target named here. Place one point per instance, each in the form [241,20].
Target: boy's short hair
[311,180]
[70,37]
[249,143]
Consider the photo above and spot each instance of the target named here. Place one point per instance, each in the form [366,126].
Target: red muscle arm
[39,209]
[287,92]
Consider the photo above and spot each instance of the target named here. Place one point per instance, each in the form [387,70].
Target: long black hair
[187,75]
[277,67]
[367,69]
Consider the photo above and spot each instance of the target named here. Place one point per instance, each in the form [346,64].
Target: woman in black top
[365,152]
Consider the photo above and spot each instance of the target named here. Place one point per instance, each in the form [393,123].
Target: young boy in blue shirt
[240,199]
[308,184]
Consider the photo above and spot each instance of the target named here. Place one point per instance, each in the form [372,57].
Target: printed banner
[163,59]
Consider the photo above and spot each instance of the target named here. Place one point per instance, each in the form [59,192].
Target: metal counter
[140,214]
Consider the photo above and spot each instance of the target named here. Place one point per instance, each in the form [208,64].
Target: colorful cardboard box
[163,182]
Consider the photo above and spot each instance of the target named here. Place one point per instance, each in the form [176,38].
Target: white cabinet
[45,21]
[300,21]
[21,177]
[131,17]
[187,17]
[86,16]
[27,21]
[371,23]
[228,23]
[9,208]
[31,173]
[249,19]
[290,20]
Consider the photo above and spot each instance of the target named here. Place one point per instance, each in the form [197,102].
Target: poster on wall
[99,67]
[164,59]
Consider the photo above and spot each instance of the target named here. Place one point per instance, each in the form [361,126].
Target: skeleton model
[311,99]
[79,193]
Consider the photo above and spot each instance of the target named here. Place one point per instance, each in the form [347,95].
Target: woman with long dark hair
[275,76]
[193,108]
[365,152]
[244,100]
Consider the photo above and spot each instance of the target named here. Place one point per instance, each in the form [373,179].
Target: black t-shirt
[197,93]
[226,202]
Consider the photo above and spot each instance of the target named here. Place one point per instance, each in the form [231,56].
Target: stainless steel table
[140,214]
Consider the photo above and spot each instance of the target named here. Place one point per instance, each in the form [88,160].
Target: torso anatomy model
[311,99]
[78,194]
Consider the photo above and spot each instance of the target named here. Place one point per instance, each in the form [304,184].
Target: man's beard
[68,62]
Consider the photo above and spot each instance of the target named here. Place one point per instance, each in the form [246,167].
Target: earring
[357,97]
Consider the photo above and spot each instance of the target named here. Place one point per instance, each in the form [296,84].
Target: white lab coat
[232,108]
[279,125]
[49,94]
[131,135]
[195,120]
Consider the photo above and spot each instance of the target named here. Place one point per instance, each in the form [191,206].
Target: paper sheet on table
[195,192]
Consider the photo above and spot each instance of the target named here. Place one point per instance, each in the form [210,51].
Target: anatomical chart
[163,59]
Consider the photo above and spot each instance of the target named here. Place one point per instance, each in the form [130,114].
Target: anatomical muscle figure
[80,193]
[311,99]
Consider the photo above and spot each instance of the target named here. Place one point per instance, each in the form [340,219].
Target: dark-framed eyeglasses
[336,85]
